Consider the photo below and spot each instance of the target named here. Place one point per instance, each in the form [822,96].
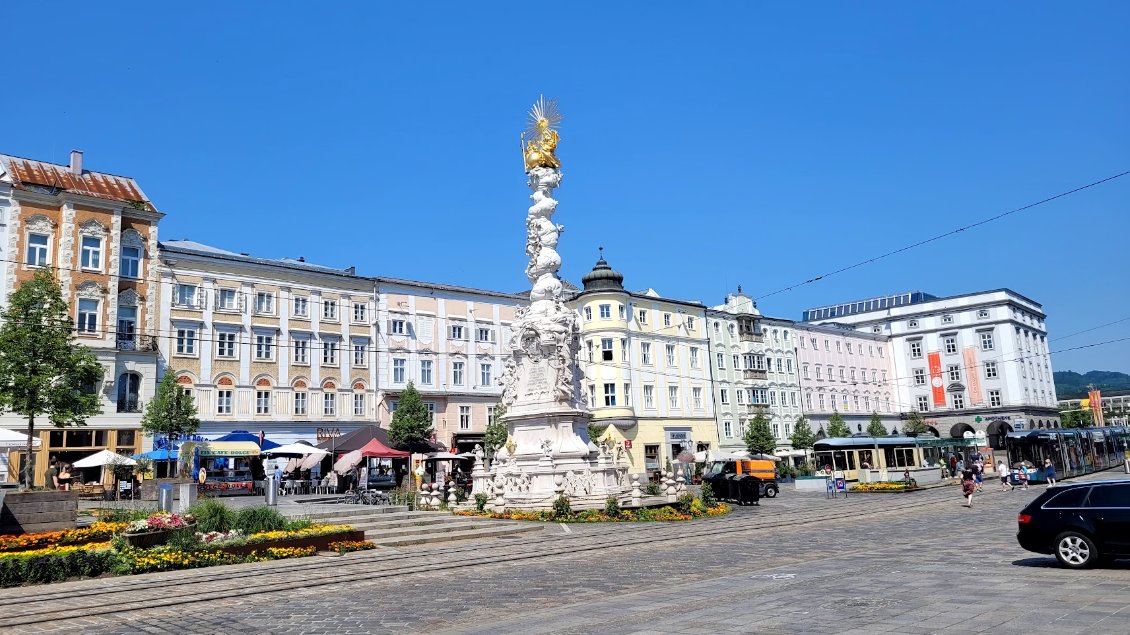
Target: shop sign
[325,434]
[627,444]
[678,436]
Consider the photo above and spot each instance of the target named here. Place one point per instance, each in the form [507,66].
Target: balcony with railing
[139,343]
[752,373]
[751,337]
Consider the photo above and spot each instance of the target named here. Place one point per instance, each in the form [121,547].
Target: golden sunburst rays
[543,116]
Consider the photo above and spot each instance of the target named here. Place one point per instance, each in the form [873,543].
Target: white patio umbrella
[10,439]
[103,457]
[347,461]
[442,456]
[295,449]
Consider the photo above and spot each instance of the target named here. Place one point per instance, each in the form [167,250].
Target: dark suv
[1081,523]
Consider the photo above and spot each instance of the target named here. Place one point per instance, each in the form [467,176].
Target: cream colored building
[280,346]
[646,368]
[450,342]
[97,232]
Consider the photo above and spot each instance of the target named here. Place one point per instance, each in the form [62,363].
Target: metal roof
[29,174]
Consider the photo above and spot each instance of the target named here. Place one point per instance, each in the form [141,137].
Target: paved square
[913,563]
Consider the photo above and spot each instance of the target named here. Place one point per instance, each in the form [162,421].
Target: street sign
[627,444]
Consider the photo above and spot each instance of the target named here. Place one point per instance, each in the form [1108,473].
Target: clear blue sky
[704,147]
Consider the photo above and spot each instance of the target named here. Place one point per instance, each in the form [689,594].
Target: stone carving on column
[546,414]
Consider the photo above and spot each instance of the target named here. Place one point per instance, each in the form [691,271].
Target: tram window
[899,457]
[1070,498]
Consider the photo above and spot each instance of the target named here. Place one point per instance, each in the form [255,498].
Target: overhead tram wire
[951,232]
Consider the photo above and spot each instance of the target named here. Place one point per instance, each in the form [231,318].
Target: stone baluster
[680,482]
[637,493]
[451,498]
[670,490]
[424,498]
[499,496]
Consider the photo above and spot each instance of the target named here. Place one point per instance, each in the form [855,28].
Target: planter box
[33,512]
[154,538]
[321,543]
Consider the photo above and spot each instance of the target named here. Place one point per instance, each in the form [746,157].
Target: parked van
[763,470]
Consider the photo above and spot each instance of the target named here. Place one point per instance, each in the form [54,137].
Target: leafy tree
[876,427]
[595,432]
[43,371]
[171,413]
[803,436]
[1076,418]
[758,437]
[412,422]
[914,424]
[837,427]
[496,433]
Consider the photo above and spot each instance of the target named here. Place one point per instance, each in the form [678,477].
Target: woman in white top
[1002,470]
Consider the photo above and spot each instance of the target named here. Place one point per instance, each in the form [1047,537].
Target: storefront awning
[228,448]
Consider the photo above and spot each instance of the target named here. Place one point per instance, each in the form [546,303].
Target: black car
[1081,523]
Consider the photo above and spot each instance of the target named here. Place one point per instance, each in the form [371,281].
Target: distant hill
[1071,385]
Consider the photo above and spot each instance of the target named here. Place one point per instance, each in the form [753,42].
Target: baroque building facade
[275,345]
[970,363]
[845,371]
[450,342]
[97,233]
[647,375]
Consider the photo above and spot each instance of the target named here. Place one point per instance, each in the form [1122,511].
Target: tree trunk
[28,474]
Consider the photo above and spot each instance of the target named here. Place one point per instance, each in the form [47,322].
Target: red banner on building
[936,382]
[1096,398]
[972,375]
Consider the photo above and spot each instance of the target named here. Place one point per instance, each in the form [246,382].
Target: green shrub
[707,495]
[183,540]
[17,569]
[460,495]
[124,514]
[212,515]
[298,524]
[561,507]
[652,489]
[480,502]
[683,502]
[252,520]
[611,507]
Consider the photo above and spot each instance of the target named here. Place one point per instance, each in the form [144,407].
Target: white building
[968,363]
[450,342]
[845,371]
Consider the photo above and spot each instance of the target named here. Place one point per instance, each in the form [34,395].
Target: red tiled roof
[97,184]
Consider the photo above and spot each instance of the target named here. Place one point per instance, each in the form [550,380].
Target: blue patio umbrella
[244,435]
[157,455]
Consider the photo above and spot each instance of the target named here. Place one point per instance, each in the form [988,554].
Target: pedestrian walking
[968,487]
[1023,475]
[1002,471]
[977,477]
[1049,467]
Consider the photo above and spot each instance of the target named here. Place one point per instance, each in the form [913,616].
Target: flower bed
[55,562]
[896,486]
[133,561]
[347,546]
[99,531]
[645,514]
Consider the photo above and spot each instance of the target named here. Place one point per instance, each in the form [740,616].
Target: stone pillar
[451,498]
[637,494]
[680,482]
[669,479]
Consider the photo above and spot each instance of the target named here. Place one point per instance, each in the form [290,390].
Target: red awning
[379,450]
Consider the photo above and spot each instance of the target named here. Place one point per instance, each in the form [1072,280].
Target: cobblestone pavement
[909,563]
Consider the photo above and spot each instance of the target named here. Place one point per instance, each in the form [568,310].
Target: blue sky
[704,147]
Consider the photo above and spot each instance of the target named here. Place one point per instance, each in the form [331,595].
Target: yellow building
[647,375]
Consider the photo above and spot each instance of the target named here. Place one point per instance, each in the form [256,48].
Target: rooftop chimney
[351,271]
[302,259]
[76,162]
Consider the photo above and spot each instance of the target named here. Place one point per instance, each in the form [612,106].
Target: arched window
[129,392]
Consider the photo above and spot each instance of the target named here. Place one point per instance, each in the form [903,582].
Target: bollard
[271,491]
[165,497]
